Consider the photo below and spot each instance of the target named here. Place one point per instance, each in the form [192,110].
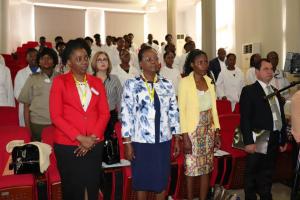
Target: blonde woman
[101,66]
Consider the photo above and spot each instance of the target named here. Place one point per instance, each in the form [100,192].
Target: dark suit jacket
[256,113]
[214,67]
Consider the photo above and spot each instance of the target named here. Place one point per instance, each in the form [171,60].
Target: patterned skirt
[200,162]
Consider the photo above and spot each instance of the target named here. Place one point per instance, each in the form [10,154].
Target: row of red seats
[12,185]
[20,62]
[224,107]
[9,115]
[15,186]
[236,163]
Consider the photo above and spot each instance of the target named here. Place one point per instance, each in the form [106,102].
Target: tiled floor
[279,192]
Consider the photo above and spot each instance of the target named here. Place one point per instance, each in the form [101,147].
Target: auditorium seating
[9,116]
[228,124]
[223,107]
[14,186]
[52,174]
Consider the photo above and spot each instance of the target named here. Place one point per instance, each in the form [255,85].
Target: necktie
[275,110]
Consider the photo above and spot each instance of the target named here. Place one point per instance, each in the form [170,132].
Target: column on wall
[171,17]
[209,27]
[4,25]
[95,23]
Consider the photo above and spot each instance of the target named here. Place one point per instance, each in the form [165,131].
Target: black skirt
[79,173]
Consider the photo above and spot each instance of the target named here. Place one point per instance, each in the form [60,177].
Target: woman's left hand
[217,139]
[176,147]
[80,151]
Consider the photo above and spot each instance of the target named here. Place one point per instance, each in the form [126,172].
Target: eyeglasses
[149,59]
[102,60]
[81,59]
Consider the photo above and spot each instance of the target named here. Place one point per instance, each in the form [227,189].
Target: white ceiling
[130,5]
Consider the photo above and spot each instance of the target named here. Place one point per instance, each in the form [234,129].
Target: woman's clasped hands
[86,144]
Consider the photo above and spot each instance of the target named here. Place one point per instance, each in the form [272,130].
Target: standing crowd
[83,88]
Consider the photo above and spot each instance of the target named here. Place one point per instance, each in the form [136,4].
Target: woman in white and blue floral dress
[150,118]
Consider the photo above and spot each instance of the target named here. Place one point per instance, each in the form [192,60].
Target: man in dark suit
[262,114]
[215,65]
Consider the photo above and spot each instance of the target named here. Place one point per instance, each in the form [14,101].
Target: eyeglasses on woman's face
[151,59]
[81,59]
[101,60]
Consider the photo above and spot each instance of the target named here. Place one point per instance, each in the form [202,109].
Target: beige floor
[279,192]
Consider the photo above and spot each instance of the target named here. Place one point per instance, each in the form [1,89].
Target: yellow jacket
[189,106]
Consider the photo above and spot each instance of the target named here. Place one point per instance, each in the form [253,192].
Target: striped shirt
[113,89]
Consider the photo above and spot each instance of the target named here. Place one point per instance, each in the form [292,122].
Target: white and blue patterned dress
[151,136]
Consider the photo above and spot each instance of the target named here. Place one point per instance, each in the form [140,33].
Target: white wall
[157,25]
[16,24]
[263,21]
[2,25]
[51,22]
[119,24]
[186,23]
[95,23]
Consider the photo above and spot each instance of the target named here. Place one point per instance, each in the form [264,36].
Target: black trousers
[79,173]
[259,171]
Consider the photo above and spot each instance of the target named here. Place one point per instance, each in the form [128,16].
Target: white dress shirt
[171,74]
[264,86]
[222,64]
[279,81]
[108,49]
[115,57]
[154,46]
[20,80]
[251,76]
[181,62]
[123,75]
[230,84]
[6,87]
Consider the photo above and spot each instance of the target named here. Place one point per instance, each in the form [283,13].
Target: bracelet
[127,142]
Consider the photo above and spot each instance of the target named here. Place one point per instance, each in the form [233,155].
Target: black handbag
[111,150]
[25,159]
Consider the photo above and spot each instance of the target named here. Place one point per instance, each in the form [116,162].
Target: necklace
[150,91]
[82,91]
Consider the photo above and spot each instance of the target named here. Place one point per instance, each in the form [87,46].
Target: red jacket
[67,114]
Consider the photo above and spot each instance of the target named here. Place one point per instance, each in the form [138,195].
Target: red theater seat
[53,177]
[223,107]
[9,116]
[14,186]
[228,124]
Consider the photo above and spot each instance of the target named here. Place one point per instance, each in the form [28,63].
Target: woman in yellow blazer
[198,120]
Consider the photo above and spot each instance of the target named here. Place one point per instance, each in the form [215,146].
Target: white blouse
[205,100]
[84,89]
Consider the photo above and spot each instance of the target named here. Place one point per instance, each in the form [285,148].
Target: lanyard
[150,91]
[83,92]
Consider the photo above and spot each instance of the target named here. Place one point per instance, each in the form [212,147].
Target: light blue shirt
[137,111]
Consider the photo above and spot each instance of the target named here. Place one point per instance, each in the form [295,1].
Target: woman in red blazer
[79,112]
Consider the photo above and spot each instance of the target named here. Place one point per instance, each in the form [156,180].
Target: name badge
[152,114]
[94,91]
